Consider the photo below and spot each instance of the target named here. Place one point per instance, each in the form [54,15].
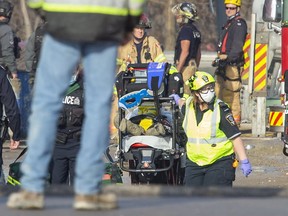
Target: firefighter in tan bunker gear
[143,48]
[230,58]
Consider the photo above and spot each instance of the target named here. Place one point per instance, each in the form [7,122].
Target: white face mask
[208,97]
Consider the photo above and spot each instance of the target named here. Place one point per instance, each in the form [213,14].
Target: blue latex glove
[246,167]
[176,97]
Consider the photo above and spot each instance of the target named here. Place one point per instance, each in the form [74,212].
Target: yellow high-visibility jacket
[206,142]
[89,20]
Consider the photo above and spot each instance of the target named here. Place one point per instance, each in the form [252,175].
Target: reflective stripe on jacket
[128,52]
[89,20]
[206,142]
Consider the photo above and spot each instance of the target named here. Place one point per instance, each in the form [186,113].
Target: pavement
[166,200]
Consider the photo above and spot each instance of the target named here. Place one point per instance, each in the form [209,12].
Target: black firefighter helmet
[6,8]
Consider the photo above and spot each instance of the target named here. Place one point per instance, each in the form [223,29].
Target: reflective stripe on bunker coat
[111,7]
[128,53]
[206,142]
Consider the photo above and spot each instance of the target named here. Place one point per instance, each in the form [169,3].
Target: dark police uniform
[9,49]
[188,32]
[203,175]
[68,135]
[9,108]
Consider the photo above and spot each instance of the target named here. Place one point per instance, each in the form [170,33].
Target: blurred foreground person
[213,136]
[78,30]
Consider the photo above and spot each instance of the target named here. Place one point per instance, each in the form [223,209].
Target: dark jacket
[232,39]
[33,48]
[89,21]
[7,55]
[8,103]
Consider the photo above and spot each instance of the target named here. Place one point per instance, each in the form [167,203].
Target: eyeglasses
[205,89]
[231,8]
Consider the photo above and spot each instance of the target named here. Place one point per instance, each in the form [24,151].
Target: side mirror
[272,11]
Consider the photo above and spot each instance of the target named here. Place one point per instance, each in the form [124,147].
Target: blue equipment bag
[155,75]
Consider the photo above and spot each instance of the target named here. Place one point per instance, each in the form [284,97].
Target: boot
[101,201]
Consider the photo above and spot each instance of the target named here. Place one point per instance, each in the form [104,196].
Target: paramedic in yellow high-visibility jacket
[214,146]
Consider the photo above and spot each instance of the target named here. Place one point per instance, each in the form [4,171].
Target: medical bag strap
[21,154]
[154,86]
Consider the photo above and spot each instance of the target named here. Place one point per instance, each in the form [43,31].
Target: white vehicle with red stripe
[275,18]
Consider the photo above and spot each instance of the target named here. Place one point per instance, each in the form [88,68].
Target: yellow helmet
[199,80]
[235,2]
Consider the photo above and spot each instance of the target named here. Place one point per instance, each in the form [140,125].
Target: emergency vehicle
[275,11]
[267,75]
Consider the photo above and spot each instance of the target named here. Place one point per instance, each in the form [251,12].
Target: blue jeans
[56,66]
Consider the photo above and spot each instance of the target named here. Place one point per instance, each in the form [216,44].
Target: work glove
[215,63]
[246,167]
[176,97]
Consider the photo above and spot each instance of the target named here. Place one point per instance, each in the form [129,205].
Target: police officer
[143,48]
[213,136]
[187,50]
[8,49]
[68,133]
[8,108]
[230,59]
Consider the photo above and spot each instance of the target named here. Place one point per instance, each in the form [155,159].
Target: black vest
[72,115]
[195,41]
